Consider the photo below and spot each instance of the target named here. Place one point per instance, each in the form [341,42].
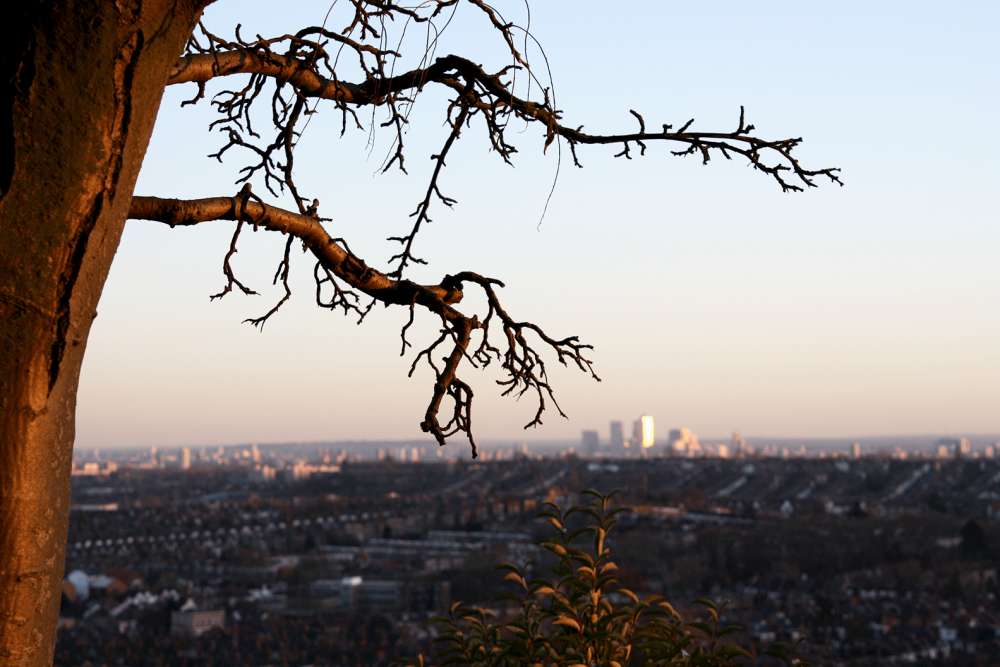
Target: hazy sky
[714,301]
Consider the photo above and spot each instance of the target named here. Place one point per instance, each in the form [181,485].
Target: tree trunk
[82,84]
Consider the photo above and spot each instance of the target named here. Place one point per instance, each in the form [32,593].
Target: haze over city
[713,300]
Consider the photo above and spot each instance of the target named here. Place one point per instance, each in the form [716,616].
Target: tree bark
[83,81]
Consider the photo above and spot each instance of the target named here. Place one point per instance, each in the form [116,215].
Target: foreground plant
[580,615]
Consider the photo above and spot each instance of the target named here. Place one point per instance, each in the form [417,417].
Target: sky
[713,300]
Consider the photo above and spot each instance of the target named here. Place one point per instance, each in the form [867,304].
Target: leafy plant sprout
[580,615]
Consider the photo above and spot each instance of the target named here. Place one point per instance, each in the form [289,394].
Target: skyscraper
[186,458]
[647,432]
[589,442]
[964,447]
[617,437]
[683,442]
[738,444]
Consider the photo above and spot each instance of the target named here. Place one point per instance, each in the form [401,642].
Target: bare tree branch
[296,72]
[491,93]
[523,367]
[420,215]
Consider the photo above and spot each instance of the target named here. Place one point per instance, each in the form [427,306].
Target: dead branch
[491,93]
[523,367]
[305,66]
[293,73]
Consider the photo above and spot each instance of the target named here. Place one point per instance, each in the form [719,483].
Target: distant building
[195,623]
[186,458]
[94,469]
[957,447]
[675,441]
[682,442]
[855,450]
[589,442]
[964,447]
[617,436]
[359,593]
[305,470]
[738,445]
[266,472]
[647,432]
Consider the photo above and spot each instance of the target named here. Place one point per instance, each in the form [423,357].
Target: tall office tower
[738,444]
[186,458]
[675,441]
[154,456]
[647,432]
[617,438]
[255,453]
[855,450]
[964,447]
[683,442]
[589,441]
[636,439]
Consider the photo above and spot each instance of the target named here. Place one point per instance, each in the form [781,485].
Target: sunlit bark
[83,82]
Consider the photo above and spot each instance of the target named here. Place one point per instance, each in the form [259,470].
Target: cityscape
[861,554]
[461,333]
[683,442]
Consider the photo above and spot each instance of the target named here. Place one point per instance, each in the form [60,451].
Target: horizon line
[497,441]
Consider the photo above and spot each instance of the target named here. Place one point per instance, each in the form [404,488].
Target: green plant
[582,616]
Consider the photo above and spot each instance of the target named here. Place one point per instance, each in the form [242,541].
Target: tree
[580,614]
[84,80]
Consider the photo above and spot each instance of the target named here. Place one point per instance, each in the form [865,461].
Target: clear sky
[714,301]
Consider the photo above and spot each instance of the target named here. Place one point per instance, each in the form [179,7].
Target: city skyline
[863,309]
[911,441]
[323,457]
